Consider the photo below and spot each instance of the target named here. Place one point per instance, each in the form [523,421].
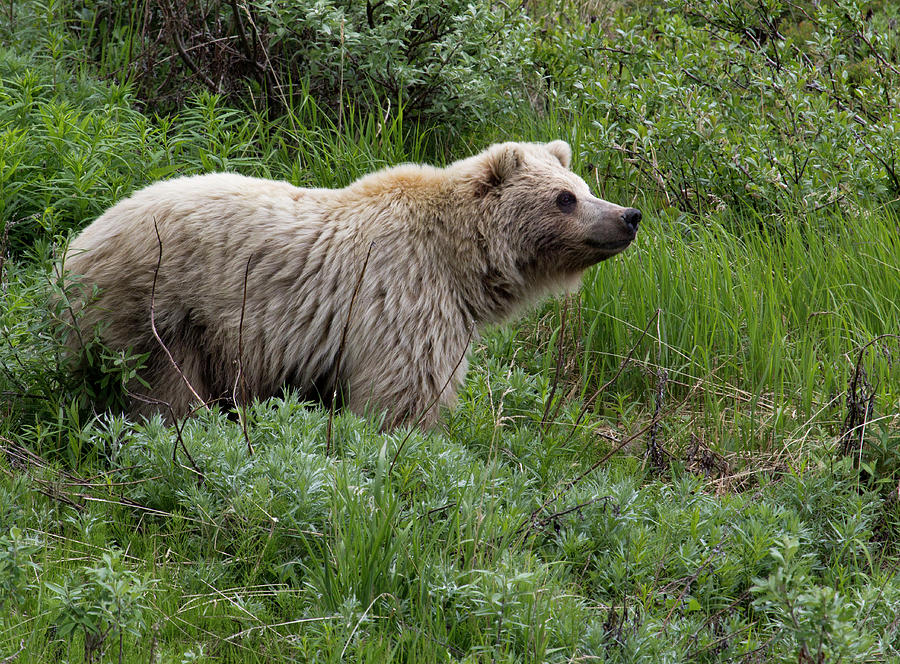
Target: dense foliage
[762,104]
[695,458]
[455,61]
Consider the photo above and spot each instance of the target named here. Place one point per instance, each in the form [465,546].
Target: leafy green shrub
[44,382]
[106,601]
[811,622]
[759,104]
[66,154]
[69,149]
[16,565]
[436,60]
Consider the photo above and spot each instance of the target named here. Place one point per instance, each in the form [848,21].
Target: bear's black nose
[632,218]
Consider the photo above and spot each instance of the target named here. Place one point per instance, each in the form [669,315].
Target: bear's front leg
[410,389]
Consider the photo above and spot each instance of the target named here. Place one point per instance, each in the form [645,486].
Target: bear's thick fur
[449,250]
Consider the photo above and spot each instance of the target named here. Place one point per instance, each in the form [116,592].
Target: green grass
[532,525]
[762,326]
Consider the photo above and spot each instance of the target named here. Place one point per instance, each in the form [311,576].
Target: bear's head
[540,227]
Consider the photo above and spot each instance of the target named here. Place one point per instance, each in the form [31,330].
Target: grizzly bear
[237,287]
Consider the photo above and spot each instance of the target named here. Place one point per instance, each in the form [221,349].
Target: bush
[439,61]
[70,148]
[763,104]
[38,387]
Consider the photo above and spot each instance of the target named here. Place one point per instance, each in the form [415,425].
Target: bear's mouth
[608,246]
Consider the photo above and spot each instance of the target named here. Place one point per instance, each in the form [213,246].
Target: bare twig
[242,378]
[242,34]
[550,518]
[341,84]
[559,360]
[860,402]
[179,439]
[4,242]
[179,45]
[610,49]
[153,320]
[654,452]
[60,270]
[12,658]
[340,353]
[13,377]
[690,581]
[178,426]
[275,86]
[742,597]
[588,402]
[606,457]
[360,621]
[264,627]
[436,397]
[878,56]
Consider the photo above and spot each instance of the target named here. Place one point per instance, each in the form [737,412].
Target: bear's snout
[632,217]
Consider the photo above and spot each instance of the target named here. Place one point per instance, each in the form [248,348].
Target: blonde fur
[452,249]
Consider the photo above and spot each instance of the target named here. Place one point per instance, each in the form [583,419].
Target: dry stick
[559,359]
[61,274]
[849,423]
[606,457]
[861,34]
[153,642]
[654,452]
[862,349]
[688,585]
[243,379]
[187,59]
[341,86]
[4,335]
[718,613]
[340,354]
[692,656]
[178,426]
[4,241]
[436,397]
[12,658]
[153,320]
[602,388]
[556,515]
[640,433]
[242,35]
[359,622]
[268,70]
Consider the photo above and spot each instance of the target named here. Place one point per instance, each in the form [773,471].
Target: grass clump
[765,325]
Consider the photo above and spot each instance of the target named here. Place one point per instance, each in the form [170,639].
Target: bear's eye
[566,201]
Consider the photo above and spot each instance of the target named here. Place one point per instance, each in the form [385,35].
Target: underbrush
[70,147]
[515,532]
[456,552]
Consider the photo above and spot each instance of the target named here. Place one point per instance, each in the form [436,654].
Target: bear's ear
[503,160]
[560,150]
